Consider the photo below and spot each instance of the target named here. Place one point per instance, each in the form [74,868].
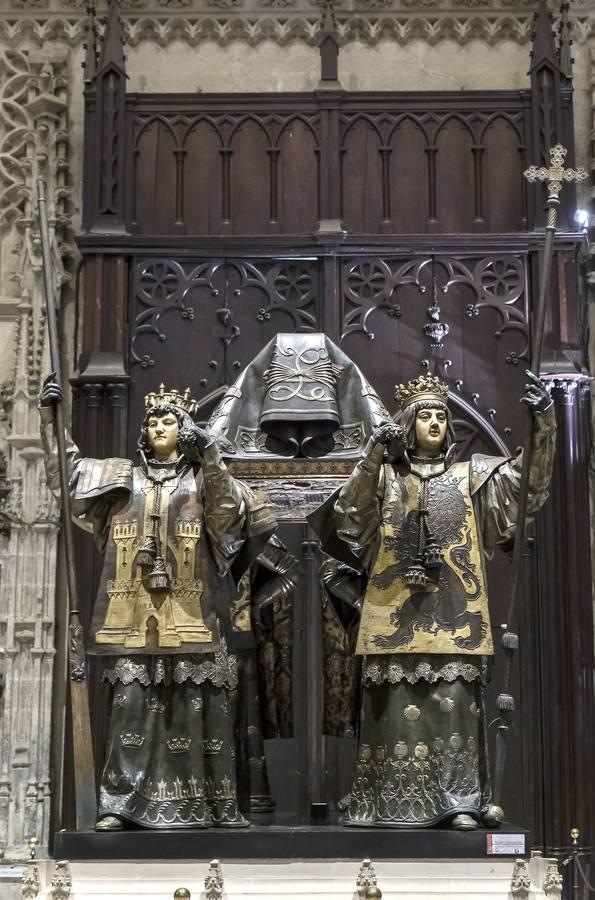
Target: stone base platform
[428,879]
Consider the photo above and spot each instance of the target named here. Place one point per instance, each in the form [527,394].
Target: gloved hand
[51,392]
[389,435]
[536,395]
[192,440]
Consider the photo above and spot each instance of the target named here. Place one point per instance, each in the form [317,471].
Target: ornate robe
[170,759]
[422,745]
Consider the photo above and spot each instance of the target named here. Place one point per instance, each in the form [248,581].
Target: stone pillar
[33,136]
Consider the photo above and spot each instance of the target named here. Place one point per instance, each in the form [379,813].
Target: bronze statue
[174,528]
[420,527]
[262,619]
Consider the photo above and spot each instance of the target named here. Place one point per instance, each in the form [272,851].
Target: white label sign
[506,844]
[15,872]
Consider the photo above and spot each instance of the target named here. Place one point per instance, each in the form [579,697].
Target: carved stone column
[33,137]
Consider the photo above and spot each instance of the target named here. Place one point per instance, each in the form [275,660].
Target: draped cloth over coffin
[301,395]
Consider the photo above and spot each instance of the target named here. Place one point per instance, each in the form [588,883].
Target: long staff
[554,177]
[84,769]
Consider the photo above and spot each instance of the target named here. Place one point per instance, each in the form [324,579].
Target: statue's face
[430,431]
[162,432]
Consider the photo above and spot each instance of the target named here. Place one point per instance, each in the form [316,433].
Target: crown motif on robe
[426,387]
[129,739]
[179,744]
[172,398]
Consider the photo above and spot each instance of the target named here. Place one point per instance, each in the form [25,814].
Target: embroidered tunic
[170,755]
[422,748]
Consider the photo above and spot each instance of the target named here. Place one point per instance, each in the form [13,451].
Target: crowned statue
[177,531]
[419,525]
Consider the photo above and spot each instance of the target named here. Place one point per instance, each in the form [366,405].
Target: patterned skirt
[170,760]
[422,754]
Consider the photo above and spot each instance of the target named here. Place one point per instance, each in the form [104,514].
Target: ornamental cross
[555,175]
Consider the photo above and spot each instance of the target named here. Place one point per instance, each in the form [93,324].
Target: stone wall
[175,45]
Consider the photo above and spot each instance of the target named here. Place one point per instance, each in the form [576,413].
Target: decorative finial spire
[544,48]
[112,49]
[565,41]
[329,23]
[328,45]
[90,45]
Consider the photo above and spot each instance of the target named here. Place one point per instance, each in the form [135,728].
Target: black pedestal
[281,842]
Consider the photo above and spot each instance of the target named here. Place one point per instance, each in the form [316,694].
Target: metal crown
[173,398]
[426,387]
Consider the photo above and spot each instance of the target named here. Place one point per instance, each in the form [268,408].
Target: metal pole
[84,768]
[317,808]
[554,176]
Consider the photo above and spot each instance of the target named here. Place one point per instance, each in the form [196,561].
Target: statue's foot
[344,803]
[492,816]
[109,823]
[238,821]
[463,822]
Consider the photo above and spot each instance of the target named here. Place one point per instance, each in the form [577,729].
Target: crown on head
[173,398]
[426,387]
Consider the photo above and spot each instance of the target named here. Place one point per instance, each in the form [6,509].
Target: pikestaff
[84,769]
[554,177]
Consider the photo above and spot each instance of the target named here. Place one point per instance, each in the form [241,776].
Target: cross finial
[554,176]
[556,173]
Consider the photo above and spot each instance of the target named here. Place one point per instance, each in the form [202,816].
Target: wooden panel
[385,162]
[155,179]
[504,185]
[361,181]
[250,179]
[203,185]
[408,178]
[455,192]
[297,209]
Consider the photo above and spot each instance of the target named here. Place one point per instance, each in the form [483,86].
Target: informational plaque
[506,844]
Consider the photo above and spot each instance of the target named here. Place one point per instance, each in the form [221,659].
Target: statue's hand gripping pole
[84,769]
[554,176]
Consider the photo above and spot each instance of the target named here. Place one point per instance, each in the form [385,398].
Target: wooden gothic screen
[399,164]
[402,227]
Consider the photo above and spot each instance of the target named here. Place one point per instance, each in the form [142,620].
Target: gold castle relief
[137,617]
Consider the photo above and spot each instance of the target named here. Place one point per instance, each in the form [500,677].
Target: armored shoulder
[97,477]
[481,469]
